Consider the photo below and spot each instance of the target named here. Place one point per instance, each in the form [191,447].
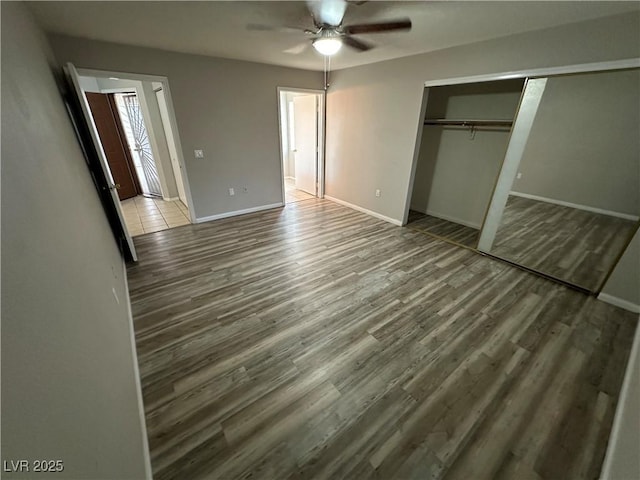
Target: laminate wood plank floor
[443,228]
[574,245]
[314,341]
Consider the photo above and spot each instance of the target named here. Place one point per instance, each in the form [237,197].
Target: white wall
[227,108]
[70,388]
[456,171]
[583,147]
[288,142]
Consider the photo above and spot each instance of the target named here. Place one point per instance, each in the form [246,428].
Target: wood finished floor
[443,228]
[577,246]
[317,342]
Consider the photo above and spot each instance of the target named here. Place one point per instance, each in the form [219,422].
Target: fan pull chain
[327,70]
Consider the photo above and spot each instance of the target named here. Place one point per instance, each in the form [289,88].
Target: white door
[305,120]
[72,73]
[173,152]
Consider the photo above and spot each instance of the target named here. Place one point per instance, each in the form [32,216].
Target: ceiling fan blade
[297,50]
[356,44]
[256,27]
[327,12]
[392,25]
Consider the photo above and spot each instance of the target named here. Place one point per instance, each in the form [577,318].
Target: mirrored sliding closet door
[567,199]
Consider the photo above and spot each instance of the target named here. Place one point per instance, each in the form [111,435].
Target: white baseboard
[146,455]
[364,210]
[577,206]
[170,199]
[619,302]
[624,409]
[449,218]
[238,212]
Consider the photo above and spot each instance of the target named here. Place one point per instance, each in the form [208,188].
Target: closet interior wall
[458,164]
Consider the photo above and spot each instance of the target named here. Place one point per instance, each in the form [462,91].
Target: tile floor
[146,215]
[292,194]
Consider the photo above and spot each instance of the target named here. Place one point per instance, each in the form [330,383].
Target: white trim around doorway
[321,137]
[172,119]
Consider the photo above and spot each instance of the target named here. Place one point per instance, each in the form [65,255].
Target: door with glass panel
[138,138]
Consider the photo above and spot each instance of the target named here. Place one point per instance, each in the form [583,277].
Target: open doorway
[136,132]
[301,143]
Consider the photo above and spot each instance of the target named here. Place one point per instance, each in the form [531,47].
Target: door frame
[320,158]
[111,200]
[171,143]
[173,124]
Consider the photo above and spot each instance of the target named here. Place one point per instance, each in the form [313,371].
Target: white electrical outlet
[519,175]
[232,192]
[378,192]
[198,153]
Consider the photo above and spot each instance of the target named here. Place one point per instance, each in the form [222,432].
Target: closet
[540,172]
[567,201]
[464,139]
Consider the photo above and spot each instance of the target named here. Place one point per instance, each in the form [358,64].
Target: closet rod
[468,123]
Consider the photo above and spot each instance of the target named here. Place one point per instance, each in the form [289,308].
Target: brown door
[114,143]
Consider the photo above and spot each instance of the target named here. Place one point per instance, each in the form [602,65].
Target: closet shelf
[468,122]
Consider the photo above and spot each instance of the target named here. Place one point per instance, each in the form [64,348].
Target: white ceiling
[219,28]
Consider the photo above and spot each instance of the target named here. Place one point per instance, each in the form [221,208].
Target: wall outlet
[232,192]
[519,175]
[198,153]
[378,192]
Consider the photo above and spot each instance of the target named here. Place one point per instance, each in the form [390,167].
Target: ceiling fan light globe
[327,46]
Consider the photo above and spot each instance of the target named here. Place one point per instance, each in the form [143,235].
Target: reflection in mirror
[464,138]
[575,200]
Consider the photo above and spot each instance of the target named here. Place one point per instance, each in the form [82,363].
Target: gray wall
[374,110]
[584,147]
[69,383]
[455,173]
[227,108]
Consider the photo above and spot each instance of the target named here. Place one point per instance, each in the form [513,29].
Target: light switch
[198,153]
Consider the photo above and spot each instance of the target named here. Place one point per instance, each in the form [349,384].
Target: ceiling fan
[329,33]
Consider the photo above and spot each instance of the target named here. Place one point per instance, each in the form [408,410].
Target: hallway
[146,215]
